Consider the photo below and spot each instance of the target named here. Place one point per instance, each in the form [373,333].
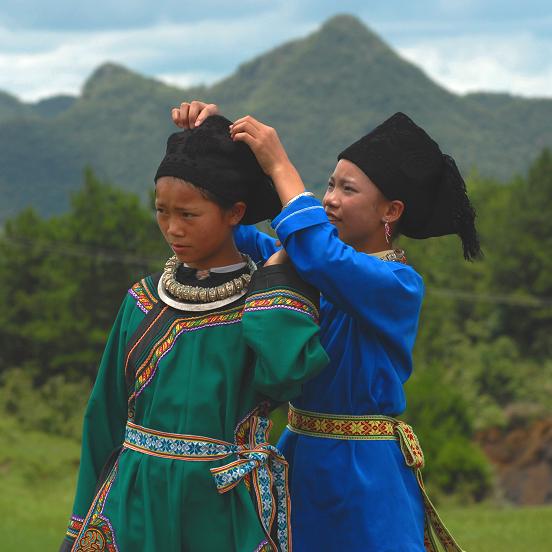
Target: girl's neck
[373,245]
[228,256]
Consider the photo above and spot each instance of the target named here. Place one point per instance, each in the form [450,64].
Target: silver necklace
[195,298]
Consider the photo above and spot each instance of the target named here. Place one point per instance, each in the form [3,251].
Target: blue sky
[52,46]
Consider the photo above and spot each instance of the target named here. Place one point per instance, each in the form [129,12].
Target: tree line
[483,356]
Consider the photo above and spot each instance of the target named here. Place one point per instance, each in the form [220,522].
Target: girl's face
[357,208]
[198,230]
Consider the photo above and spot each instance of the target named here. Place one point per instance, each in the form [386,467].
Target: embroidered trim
[75,525]
[296,213]
[176,446]
[257,458]
[263,547]
[283,299]
[144,297]
[97,533]
[147,369]
[338,426]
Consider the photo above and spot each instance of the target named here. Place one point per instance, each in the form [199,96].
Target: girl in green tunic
[175,454]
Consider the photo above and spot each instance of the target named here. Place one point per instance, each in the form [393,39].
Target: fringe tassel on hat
[464,213]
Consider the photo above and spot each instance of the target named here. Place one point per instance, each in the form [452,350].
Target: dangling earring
[387,232]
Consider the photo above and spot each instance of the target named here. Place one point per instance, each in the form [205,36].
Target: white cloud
[184,80]
[519,63]
[36,64]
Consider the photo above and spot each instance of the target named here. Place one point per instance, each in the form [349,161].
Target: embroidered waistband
[350,427]
[338,426]
[259,464]
[176,446]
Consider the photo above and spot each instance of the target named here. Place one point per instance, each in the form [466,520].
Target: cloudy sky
[51,46]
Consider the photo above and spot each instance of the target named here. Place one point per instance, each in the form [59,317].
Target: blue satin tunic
[353,496]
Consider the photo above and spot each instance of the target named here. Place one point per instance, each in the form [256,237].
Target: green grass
[38,480]
[507,529]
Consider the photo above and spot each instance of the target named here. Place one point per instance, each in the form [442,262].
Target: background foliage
[71,246]
[482,358]
[320,92]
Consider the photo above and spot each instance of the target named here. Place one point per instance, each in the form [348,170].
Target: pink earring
[387,232]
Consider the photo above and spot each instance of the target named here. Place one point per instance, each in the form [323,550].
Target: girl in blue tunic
[354,469]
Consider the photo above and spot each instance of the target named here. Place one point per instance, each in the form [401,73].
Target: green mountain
[320,92]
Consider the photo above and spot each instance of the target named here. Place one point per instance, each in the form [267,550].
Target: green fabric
[204,385]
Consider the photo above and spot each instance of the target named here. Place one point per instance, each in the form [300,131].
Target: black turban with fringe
[406,164]
[207,157]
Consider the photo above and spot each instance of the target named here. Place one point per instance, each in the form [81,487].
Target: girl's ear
[236,212]
[394,210]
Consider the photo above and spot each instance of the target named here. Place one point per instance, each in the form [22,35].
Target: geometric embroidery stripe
[341,427]
[148,286]
[146,371]
[178,447]
[75,525]
[139,335]
[144,299]
[284,292]
[281,298]
[95,516]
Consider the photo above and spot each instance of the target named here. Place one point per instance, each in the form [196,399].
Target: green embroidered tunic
[195,374]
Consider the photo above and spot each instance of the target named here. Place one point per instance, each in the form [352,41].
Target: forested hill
[320,92]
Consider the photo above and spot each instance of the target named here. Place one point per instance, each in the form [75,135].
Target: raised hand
[192,114]
[271,155]
[263,141]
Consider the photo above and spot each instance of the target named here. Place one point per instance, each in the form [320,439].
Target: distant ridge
[321,92]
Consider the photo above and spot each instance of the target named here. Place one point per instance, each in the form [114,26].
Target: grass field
[38,479]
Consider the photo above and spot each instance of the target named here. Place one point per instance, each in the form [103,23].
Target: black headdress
[402,160]
[207,157]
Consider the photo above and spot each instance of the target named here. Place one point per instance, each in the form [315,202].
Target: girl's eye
[348,189]
[330,185]
[159,210]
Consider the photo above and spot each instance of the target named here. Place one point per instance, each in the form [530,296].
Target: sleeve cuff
[302,213]
[282,275]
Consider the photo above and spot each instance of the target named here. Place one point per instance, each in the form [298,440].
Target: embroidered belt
[259,464]
[349,427]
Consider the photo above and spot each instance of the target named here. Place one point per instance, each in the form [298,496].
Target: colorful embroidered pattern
[143,295]
[178,447]
[97,534]
[97,537]
[336,426]
[75,525]
[281,299]
[146,371]
[269,471]
[258,459]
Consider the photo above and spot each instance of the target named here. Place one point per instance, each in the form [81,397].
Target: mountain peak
[106,77]
[343,21]
[352,27]
[109,70]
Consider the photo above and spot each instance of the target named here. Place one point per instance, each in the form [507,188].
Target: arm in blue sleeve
[258,245]
[384,295]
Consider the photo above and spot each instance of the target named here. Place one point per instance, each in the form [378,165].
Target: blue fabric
[350,495]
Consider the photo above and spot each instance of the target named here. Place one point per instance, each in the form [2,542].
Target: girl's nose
[330,198]
[174,229]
